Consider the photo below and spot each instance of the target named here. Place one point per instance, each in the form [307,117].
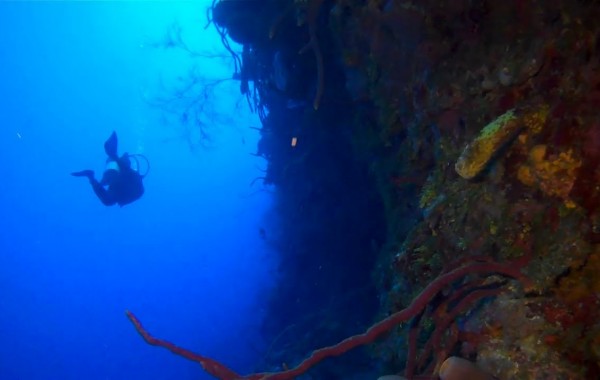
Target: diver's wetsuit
[124,185]
[120,184]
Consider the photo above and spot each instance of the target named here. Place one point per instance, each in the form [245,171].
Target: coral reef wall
[402,136]
[329,216]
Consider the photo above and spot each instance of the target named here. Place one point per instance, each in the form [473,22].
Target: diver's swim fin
[110,146]
[84,173]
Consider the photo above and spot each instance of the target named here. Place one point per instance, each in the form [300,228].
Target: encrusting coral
[554,176]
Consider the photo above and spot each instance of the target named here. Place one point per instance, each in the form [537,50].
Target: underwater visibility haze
[335,189]
[187,255]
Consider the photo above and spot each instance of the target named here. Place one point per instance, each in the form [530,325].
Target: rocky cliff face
[407,137]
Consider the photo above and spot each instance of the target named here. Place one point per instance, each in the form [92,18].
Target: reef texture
[510,90]
[448,135]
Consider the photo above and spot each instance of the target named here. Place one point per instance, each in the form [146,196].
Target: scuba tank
[139,163]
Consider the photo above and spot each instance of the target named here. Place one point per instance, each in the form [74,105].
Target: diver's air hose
[136,157]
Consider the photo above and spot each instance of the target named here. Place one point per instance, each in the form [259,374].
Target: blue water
[187,258]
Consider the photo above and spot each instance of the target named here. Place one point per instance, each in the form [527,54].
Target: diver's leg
[105,197]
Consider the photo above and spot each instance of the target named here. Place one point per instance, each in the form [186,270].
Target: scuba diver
[121,184]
